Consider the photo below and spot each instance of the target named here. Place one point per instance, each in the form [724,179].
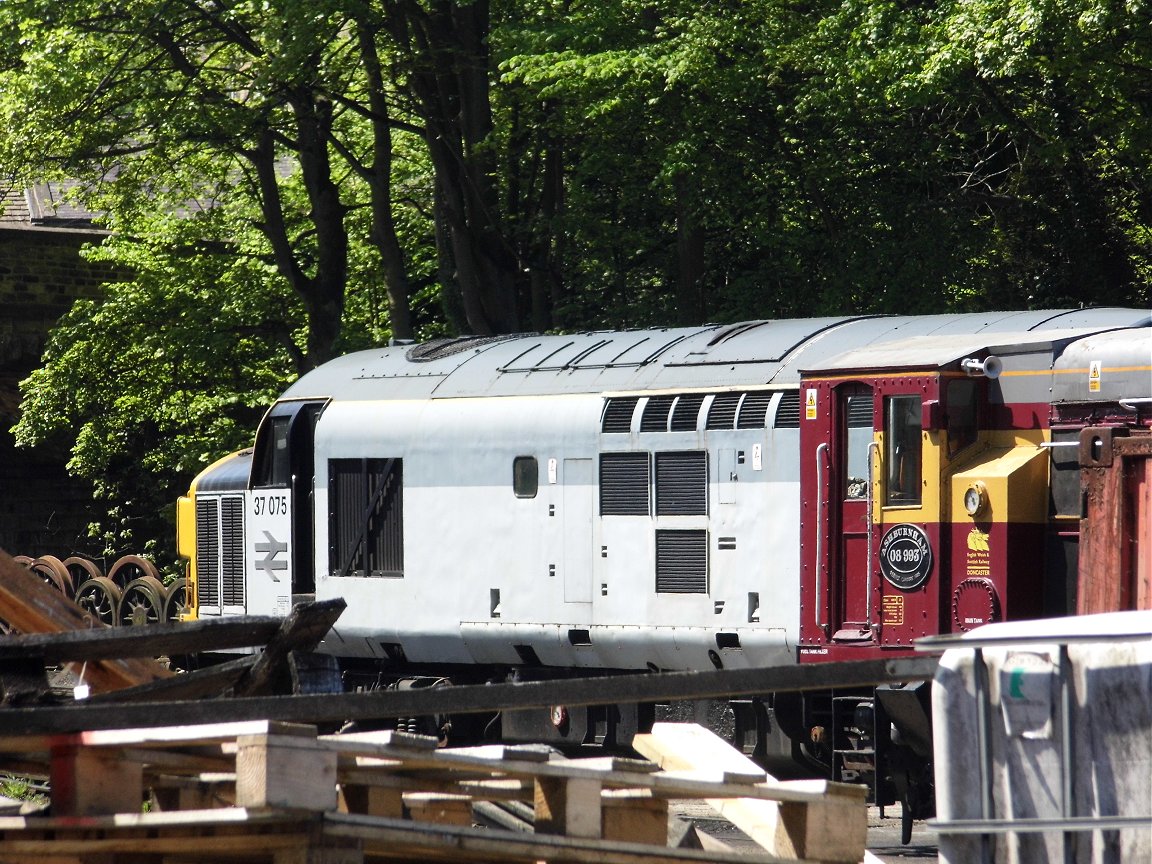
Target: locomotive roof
[756,353]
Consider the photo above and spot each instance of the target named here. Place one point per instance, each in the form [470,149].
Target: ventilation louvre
[788,410]
[682,562]
[860,412]
[754,410]
[624,484]
[618,415]
[686,412]
[722,413]
[682,483]
[655,417]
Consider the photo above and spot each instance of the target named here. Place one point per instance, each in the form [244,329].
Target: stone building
[42,509]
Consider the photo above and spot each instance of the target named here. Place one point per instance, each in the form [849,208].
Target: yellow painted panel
[1016,479]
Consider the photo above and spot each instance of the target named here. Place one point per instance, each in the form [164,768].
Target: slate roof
[42,206]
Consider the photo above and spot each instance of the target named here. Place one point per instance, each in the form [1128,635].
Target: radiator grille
[232,546]
[624,484]
[220,551]
[682,562]
[682,483]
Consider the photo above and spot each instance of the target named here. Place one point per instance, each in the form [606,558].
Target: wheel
[52,570]
[82,569]
[100,598]
[176,599]
[23,560]
[142,603]
[131,567]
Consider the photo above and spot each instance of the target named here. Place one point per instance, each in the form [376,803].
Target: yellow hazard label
[810,404]
[1095,370]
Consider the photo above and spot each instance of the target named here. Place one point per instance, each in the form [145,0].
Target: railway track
[130,593]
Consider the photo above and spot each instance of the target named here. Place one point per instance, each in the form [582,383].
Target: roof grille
[722,413]
[754,410]
[686,412]
[788,410]
[618,415]
[655,417]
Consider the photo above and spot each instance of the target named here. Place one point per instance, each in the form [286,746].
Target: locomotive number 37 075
[270,505]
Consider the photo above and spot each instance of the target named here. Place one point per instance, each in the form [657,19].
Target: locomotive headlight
[976,499]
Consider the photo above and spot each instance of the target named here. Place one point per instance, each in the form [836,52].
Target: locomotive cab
[921,491]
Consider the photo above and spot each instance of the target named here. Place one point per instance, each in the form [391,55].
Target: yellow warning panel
[894,610]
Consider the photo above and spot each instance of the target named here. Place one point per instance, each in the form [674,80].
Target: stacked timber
[265,791]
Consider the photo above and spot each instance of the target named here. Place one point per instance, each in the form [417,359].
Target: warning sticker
[810,404]
[1094,375]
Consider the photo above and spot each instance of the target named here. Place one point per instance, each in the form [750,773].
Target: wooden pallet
[264,791]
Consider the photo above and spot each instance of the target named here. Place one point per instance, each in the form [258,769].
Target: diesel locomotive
[765,493]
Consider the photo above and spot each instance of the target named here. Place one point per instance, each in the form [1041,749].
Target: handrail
[822,447]
[872,446]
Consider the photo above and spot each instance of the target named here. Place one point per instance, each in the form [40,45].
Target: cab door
[850,521]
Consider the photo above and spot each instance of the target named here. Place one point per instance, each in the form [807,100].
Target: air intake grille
[686,412]
[208,552]
[788,411]
[232,546]
[754,410]
[220,551]
[655,417]
[682,483]
[682,562]
[624,484]
[618,415]
[722,413]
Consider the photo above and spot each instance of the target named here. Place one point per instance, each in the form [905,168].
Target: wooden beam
[304,628]
[833,829]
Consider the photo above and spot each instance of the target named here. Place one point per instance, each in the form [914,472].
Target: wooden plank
[32,606]
[339,707]
[88,781]
[833,829]
[155,640]
[302,630]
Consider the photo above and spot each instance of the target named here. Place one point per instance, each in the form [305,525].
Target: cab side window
[902,451]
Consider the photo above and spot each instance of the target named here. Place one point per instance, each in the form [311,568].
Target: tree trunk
[380,184]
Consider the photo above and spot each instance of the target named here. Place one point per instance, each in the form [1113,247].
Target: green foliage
[612,164]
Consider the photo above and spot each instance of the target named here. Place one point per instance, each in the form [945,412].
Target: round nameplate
[906,556]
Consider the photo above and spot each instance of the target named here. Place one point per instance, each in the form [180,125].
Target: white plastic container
[1045,726]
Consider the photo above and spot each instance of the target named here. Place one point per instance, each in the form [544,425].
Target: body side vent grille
[860,412]
[682,562]
[232,550]
[208,552]
[624,484]
[682,483]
